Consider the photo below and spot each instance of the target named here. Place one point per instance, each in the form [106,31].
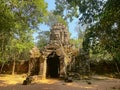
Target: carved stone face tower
[59,33]
[53,57]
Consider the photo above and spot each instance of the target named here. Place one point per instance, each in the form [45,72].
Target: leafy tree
[19,15]
[19,19]
[17,46]
[86,10]
[52,18]
[43,38]
[106,31]
[102,18]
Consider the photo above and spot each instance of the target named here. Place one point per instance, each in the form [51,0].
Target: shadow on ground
[96,83]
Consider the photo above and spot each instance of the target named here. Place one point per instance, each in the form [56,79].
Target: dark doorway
[53,66]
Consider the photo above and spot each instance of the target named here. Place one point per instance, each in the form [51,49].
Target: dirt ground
[8,82]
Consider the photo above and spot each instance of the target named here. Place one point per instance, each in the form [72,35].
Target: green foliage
[51,19]
[86,10]
[102,34]
[78,41]
[19,20]
[43,38]
[106,31]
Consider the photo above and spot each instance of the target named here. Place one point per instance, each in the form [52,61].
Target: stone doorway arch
[53,65]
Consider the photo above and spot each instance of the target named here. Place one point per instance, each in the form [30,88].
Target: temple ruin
[56,56]
[58,59]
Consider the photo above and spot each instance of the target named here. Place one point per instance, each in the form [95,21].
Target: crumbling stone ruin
[82,64]
[57,55]
[57,58]
[34,61]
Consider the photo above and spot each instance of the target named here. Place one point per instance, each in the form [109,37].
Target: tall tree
[19,19]
[102,19]
[107,30]
[19,15]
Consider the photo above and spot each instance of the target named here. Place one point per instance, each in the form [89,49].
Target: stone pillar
[29,66]
[41,68]
[44,68]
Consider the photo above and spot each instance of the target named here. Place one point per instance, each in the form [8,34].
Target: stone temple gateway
[56,56]
[58,59]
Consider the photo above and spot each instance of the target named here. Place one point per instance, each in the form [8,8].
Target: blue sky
[72,25]
[51,4]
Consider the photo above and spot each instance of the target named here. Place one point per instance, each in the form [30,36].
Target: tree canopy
[101,17]
[18,21]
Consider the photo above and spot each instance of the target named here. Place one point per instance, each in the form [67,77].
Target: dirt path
[8,82]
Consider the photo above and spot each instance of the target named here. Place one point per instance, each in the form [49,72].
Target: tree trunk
[2,67]
[13,67]
[116,64]
[117,67]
